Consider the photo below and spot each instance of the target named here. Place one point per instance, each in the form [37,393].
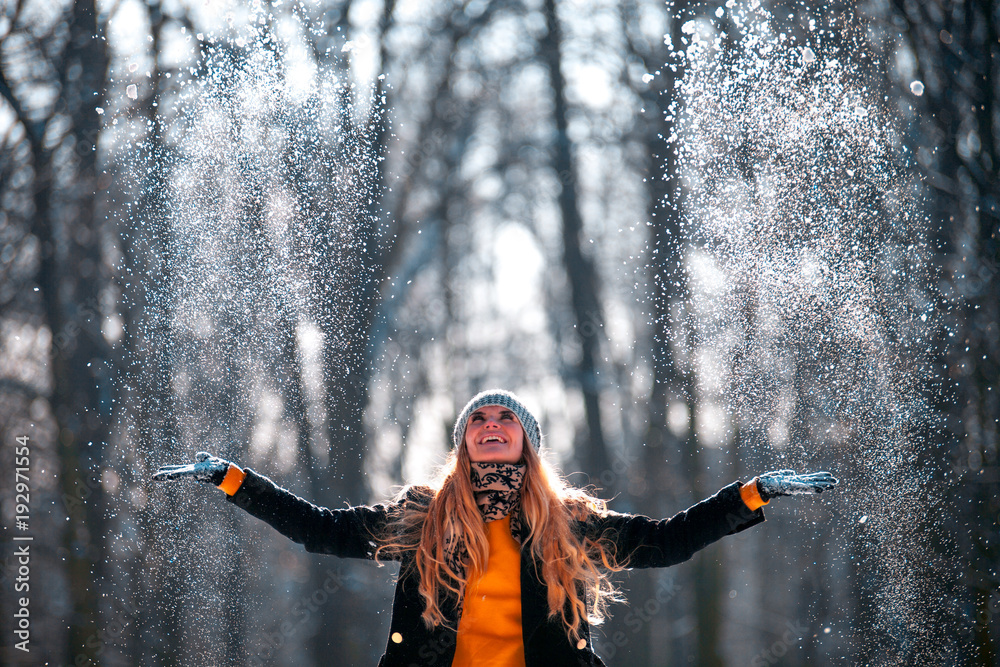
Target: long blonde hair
[573,567]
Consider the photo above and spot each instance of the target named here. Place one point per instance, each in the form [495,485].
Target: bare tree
[947,78]
[66,60]
[583,279]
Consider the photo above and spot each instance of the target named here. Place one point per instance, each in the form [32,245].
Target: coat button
[397,638]
[582,644]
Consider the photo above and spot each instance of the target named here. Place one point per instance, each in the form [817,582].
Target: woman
[501,562]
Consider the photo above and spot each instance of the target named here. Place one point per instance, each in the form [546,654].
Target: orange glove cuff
[233,480]
[751,496]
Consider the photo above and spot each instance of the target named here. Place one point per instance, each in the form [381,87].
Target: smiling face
[494,435]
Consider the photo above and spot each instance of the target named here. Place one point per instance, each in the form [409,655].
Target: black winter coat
[351,533]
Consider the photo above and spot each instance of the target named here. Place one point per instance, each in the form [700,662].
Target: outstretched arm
[348,532]
[640,541]
[644,542]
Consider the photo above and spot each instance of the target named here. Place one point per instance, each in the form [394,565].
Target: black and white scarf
[498,493]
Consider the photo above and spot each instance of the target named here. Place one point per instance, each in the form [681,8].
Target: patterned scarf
[498,493]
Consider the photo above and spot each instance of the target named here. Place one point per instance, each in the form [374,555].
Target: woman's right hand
[206,468]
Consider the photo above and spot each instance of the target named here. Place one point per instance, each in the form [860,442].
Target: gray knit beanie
[504,399]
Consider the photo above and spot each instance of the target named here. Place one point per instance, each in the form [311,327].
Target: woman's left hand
[206,468]
[787,483]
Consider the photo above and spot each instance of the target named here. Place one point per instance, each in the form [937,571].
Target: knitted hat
[504,399]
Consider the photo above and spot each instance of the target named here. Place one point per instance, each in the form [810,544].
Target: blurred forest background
[301,233]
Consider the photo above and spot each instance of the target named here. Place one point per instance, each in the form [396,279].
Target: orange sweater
[489,632]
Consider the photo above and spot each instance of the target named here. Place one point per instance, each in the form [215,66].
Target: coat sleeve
[643,542]
[349,533]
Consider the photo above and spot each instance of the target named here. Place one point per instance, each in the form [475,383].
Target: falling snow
[813,280]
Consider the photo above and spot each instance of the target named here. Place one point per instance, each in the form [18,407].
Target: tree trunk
[72,279]
[580,270]
[349,276]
